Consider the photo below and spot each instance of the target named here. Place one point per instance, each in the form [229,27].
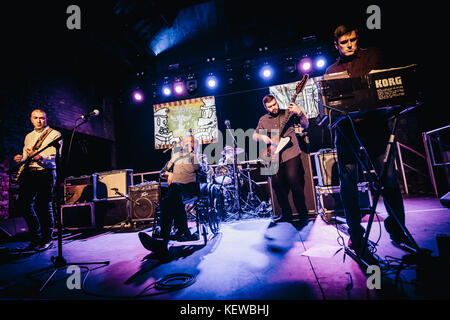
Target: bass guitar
[272,152]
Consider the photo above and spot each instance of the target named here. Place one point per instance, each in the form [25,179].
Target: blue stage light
[212,81]
[266,72]
[166,90]
[321,62]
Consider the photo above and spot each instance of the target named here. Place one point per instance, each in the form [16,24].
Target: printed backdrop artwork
[174,120]
[307,100]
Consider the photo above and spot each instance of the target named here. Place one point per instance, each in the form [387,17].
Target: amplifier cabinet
[78,216]
[111,212]
[326,167]
[112,184]
[78,190]
[145,198]
[329,200]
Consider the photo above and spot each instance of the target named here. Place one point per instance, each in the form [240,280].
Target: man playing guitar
[289,175]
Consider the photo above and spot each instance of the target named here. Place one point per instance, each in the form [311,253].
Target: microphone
[227,124]
[94,112]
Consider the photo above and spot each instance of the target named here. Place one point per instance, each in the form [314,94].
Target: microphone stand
[59,262]
[236,183]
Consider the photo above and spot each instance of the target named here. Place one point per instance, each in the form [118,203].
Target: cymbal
[248,169]
[230,151]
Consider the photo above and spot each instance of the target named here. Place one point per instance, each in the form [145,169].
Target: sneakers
[157,246]
[44,245]
[38,245]
[368,256]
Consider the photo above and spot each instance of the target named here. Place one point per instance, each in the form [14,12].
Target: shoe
[368,256]
[402,242]
[277,220]
[157,246]
[44,245]
[187,237]
[31,246]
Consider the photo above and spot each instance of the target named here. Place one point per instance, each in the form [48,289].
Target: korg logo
[388,82]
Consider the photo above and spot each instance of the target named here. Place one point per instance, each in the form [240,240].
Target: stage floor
[245,261]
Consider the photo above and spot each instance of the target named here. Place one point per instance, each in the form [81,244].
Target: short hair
[344,29]
[267,98]
[39,110]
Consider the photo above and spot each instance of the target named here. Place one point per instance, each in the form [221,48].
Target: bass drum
[224,174]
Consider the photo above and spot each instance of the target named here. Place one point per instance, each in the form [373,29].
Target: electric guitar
[272,152]
[25,164]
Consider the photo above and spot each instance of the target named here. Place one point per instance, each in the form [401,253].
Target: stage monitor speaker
[445,200]
[326,167]
[78,190]
[145,198]
[309,191]
[12,227]
[106,183]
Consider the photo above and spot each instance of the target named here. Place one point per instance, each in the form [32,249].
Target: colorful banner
[174,120]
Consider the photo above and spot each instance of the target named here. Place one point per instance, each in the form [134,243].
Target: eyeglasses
[346,41]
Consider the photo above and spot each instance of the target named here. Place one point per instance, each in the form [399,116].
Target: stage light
[305,65]
[320,62]
[166,90]
[266,72]
[178,87]
[137,96]
[211,81]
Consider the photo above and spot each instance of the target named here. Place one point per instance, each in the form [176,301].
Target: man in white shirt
[35,201]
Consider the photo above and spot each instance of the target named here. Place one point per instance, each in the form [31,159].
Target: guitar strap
[41,139]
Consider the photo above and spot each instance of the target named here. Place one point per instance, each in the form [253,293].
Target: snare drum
[224,174]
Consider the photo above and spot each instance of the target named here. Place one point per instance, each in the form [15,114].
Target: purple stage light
[305,64]
[138,96]
[178,87]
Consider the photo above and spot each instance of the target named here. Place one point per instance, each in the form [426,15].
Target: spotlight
[166,90]
[211,81]
[138,96]
[305,64]
[178,87]
[266,72]
[321,62]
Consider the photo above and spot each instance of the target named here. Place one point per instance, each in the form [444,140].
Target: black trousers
[35,202]
[291,177]
[172,207]
[349,169]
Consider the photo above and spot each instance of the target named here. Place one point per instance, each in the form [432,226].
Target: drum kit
[236,191]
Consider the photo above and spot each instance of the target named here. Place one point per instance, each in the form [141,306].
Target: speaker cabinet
[112,184]
[330,204]
[326,167]
[145,198]
[309,191]
[78,216]
[111,212]
[12,227]
[78,190]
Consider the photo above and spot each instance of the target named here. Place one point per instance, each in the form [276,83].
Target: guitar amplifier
[78,190]
[330,205]
[112,184]
[145,198]
[326,167]
[78,216]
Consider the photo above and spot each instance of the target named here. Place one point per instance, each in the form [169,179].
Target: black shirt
[372,127]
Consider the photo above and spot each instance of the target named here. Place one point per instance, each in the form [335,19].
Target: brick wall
[65,99]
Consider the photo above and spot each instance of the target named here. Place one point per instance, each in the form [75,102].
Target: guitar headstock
[301,84]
